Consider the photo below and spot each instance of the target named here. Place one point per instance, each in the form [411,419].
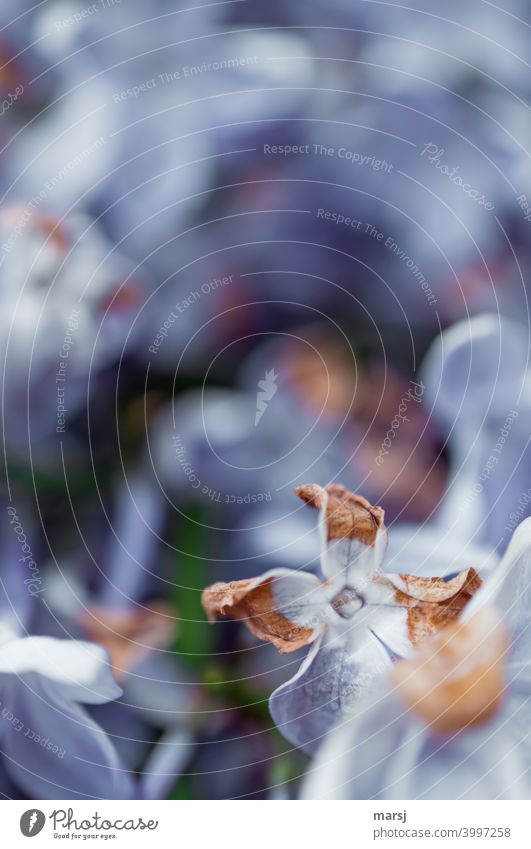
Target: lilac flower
[51,748]
[455,725]
[357,621]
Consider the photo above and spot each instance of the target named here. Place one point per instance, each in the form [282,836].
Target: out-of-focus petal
[59,751]
[475,374]
[164,690]
[385,752]
[456,680]
[128,635]
[430,550]
[508,589]
[508,586]
[79,671]
[165,764]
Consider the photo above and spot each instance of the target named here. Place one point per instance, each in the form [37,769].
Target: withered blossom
[358,620]
[453,722]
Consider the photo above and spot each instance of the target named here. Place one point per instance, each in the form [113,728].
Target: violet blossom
[454,721]
[356,622]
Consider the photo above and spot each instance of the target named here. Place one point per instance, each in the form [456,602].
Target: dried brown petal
[348,515]
[456,679]
[437,589]
[434,603]
[256,606]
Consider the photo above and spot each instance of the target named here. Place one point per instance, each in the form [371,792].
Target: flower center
[347,603]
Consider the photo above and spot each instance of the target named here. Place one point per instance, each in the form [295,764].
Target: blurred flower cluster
[244,246]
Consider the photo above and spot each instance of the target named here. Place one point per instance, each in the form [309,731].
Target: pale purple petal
[349,562]
[508,589]
[169,758]
[299,596]
[59,751]
[131,555]
[337,670]
[389,625]
[385,752]
[78,670]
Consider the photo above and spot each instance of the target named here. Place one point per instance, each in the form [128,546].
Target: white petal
[339,669]
[389,625]
[81,670]
[350,562]
[385,752]
[508,588]
[299,596]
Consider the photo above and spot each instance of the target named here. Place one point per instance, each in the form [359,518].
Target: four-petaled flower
[358,620]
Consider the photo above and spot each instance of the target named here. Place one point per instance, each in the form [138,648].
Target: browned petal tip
[218,599]
[255,605]
[348,515]
[433,602]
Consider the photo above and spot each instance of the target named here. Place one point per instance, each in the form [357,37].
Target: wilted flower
[358,620]
[455,724]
